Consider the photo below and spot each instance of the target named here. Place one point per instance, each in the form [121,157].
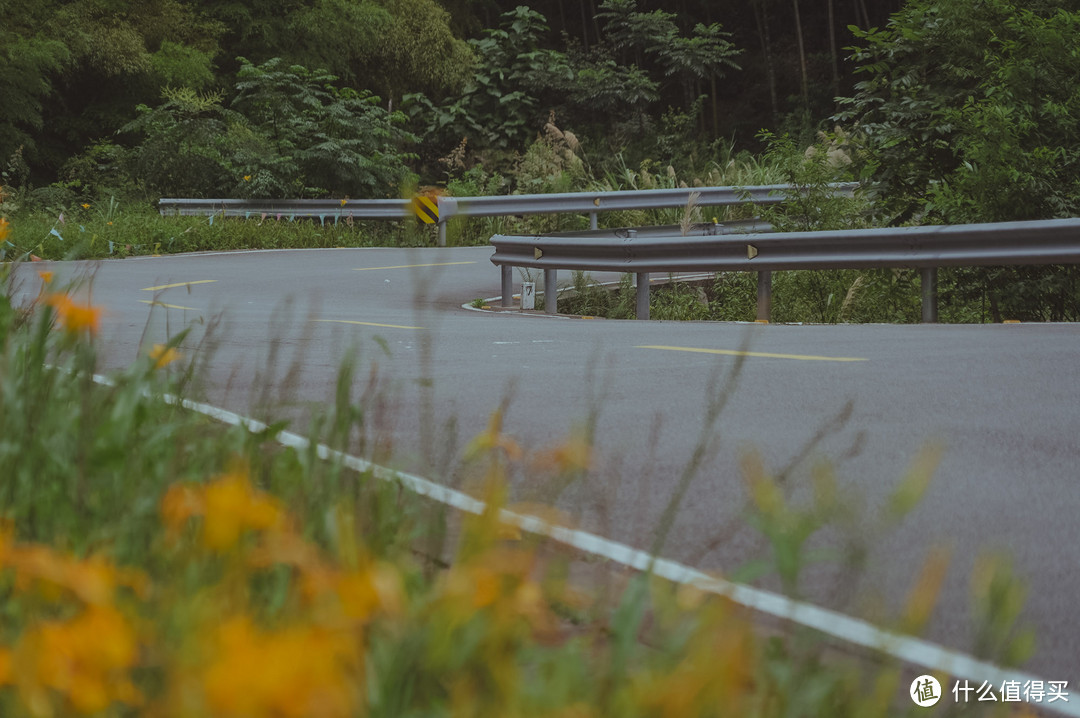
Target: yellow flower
[46,277]
[163,355]
[5,228]
[247,178]
[85,205]
[232,507]
[229,506]
[291,673]
[73,316]
[377,588]
[344,202]
[85,659]
[93,580]
[5,667]
[180,503]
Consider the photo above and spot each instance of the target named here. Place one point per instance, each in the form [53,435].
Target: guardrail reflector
[751,251]
[426,209]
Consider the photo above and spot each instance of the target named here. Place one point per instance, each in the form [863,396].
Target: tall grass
[123,231]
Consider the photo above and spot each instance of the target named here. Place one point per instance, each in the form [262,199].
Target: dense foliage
[970,110]
[287,132]
[643,76]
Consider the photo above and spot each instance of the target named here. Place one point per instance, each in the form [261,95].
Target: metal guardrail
[927,248]
[288,208]
[590,203]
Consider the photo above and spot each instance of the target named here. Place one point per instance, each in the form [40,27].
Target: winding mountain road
[1002,400]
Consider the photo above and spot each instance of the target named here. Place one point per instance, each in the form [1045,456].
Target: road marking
[761,355]
[364,324]
[410,266]
[167,306]
[832,623]
[178,284]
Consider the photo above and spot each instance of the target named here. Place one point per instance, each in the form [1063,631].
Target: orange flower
[5,667]
[232,507]
[229,506]
[363,593]
[85,659]
[290,673]
[93,580]
[46,277]
[180,503]
[163,355]
[5,228]
[73,316]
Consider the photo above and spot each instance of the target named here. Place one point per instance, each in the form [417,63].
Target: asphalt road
[1002,400]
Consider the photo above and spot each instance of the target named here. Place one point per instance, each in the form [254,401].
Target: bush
[288,132]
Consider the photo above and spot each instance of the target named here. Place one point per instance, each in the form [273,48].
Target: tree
[499,107]
[704,54]
[287,132]
[970,109]
[970,112]
[28,63]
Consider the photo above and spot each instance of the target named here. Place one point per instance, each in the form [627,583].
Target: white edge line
[838,625]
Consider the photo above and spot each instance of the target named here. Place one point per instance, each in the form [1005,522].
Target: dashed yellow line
[762,355]
[168,306]
[364,324]
[410,266]
[178,284]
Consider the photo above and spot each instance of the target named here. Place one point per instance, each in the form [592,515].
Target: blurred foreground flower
[5,228]
[164,355]
[73,316]
[85,660]
[290,673]
[93,580]
[229,506]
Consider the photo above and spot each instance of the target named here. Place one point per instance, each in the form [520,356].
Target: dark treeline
[73,72]
[793,52]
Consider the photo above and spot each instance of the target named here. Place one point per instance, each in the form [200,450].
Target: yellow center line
[764,355]
[178,284]
[410,266]
[364,324]
[167,306]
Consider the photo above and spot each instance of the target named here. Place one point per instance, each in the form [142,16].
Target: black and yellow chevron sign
[426,208]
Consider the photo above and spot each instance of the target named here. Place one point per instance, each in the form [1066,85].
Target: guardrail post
[442,232]
[929,295]
[764,296]
[507,273]
[593,221]
[642,308]
[551,296]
